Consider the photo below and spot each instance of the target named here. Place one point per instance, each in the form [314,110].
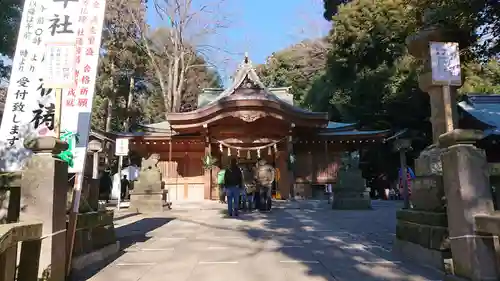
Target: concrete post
[45,186]
[467,189]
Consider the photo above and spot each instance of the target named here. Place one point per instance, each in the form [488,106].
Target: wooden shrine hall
[247,120]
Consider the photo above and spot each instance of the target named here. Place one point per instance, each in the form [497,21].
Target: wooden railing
[29,235]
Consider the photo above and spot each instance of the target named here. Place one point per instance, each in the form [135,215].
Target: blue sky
[260,27]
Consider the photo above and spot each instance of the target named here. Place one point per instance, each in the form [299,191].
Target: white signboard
[29,107]
[59,65]
[121,147]
[77,101]
[445,61]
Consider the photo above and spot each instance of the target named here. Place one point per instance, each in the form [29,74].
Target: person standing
[328,192]
[105,184]
[233,181]
[264,178]
[124,187]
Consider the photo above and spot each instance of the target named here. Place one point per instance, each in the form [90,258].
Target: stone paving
[296,241]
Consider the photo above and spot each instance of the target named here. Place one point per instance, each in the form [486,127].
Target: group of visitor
[382,188]
[246,189]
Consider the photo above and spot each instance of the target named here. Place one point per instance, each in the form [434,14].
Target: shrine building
[249,121]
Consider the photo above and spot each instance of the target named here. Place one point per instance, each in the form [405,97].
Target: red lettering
[85,79]
[96,4]
[89,52]
[79,41]
[86,68]
[70,102]
[78,50]
[71,92]
[82,102]
[77,60]
[84,91]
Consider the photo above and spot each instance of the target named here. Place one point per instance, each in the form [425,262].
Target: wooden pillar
[285,182]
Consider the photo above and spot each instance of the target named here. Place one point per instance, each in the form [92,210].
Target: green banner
[72,140]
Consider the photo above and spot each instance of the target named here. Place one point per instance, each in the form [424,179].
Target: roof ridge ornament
[246,60]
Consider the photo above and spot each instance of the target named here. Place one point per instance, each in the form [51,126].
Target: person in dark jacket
[233,181]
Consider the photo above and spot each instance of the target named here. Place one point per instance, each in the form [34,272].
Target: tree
[295,67]
[197,72]
[482,78]
[10,18]
[177,49]
[370,78]
[122,59]
[331,8]
[477,22]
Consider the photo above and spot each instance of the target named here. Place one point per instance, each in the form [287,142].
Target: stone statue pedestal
[350,192]
[147,195]
[422,232]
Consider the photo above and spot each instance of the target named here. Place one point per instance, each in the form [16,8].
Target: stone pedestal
[350,190]
[95,230]
[44,187]
[422,232]
[147,195]
[467,189]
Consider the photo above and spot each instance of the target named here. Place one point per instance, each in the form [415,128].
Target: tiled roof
[485,109]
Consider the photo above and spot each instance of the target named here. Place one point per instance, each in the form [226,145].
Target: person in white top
[328,192]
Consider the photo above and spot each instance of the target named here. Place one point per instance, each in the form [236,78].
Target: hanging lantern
[258,153]
[269,151]
[221,148]
[249,156]
[238,153]
[228,151]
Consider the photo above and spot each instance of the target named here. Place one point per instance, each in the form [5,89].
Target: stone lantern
[452,184]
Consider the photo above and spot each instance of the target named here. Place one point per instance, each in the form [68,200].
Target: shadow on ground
[336,245]
[293,241]
[128,235]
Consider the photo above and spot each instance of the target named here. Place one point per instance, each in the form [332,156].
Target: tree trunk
[110,99]
[130,99]
[109,114]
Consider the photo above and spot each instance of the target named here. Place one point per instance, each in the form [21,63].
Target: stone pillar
[44,187]
[468,193]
